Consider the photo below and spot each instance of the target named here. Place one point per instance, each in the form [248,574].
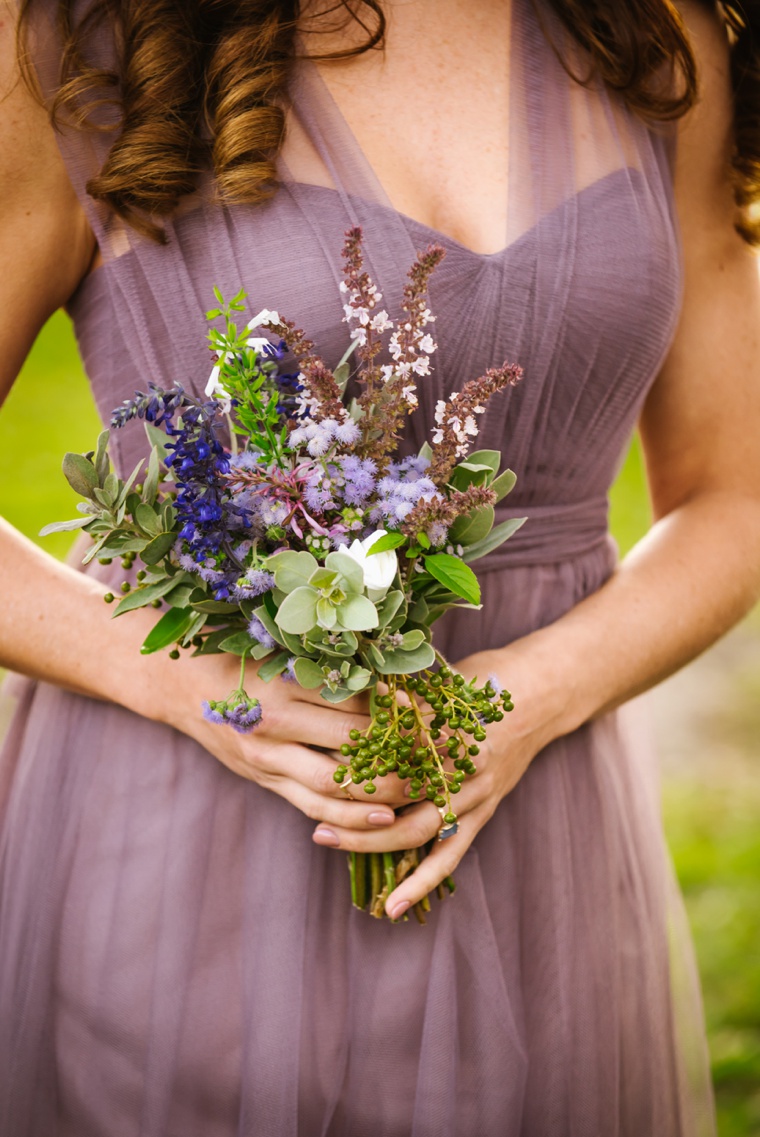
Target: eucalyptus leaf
[298,612]
[498,535]
[327,616]
[400,662]
[338,696]
[348,568]
[80,474]
[308,673]
[358,614]
[291,569]
[170,628]
[388,607]
[413,639]
[358,678]
[454,575]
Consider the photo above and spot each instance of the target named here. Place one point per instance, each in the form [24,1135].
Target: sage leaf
[170,628]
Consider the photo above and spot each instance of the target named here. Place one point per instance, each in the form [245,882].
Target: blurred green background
[708,723]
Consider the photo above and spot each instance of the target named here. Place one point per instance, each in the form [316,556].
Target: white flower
[265,316]
[427,344]
[258,343]
[379,570]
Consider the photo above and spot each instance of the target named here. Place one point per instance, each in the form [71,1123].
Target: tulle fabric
[177,959]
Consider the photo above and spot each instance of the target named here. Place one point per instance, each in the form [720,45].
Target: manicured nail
[395,912]
[324,836]
[384,818]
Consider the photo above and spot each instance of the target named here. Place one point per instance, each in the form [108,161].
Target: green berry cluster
[432,742]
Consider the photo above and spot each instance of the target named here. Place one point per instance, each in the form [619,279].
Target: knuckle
[323,781]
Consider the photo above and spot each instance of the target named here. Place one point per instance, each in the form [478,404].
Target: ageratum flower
[238,710]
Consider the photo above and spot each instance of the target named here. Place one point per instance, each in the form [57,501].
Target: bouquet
[276,520]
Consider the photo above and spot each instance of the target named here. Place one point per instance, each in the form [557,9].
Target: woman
[176,955]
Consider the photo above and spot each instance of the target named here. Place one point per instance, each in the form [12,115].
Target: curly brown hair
[199,85]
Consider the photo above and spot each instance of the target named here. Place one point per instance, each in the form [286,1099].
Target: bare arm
[698,570]
[54,625]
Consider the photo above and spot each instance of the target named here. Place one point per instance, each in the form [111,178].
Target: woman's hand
[509,748]
[278,754]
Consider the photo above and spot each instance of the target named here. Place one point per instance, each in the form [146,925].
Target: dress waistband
[551,533]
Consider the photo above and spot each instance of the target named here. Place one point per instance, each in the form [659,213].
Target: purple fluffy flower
[289,674]
[238,710]
[258,632]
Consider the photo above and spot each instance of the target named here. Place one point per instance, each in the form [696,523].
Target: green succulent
[329,596]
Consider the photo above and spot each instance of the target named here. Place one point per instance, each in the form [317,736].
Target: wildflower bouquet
[277,521]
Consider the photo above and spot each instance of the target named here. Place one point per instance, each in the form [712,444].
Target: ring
[448,829]
[347,781]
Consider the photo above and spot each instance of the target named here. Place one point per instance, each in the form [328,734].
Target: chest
[431,115]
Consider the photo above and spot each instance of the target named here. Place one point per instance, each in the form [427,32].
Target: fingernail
[396,912]
[383,818]
[324,836]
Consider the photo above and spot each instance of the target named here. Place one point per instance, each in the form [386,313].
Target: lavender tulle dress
[177,958]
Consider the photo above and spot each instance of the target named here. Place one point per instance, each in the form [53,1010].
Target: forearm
[55,626]
[686,583]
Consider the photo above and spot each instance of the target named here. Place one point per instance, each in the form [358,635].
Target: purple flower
[255,583]
[258,632]
[238,710]
[289,674]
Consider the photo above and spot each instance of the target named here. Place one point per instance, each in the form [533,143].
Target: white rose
[379,570]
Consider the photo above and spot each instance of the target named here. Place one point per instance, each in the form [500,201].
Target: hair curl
[199,85]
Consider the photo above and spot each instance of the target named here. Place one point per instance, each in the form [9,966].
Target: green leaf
[65,526]
[426,451]
[124,491]
[80,474]
[150,485]
[400,662]
[148,520]
[215,607]
[239,643]
[472,527]
[195,626]
[170,628]
[358,678]
[503,485]
[467,474]
[338,696]
[273,667]
[413,639]
[490,458]
[157,439]
[308,673]
[327,617]
[454,575]
[139,597]
[498,535]
[358,614]
[389,541]
[157,549]
[388,607]
[291,570]
[348,568]
[212,641]
[179,597]
[100,461]
[376,656]
[298,612]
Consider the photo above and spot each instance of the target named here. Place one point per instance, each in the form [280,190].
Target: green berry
[338,777]
[126,586]
[450,818]
[473,750]
[439,800]
[109,598]
[346,750]
[174,654]
[354,734]
[105,560]
[370,788]
[155,603]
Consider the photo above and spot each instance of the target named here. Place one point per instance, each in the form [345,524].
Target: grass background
[711,805]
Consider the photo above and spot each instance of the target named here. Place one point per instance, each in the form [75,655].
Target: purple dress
[177,958]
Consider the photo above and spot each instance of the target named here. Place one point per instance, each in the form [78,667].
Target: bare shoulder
[703,169]
[45,241]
